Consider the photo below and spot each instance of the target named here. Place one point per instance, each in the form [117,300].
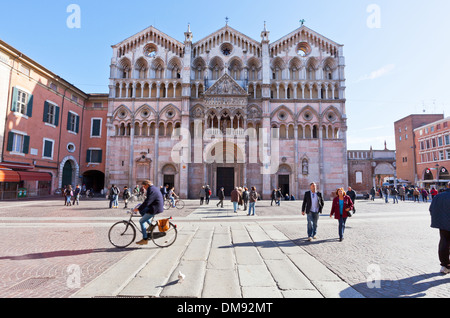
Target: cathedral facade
[228,111]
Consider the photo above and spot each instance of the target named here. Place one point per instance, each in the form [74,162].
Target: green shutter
[56,116]
[100,156]
[77,124]
[26,144]
[9,147]
[30,106]
[14,100]
[46,108]
[48,149]
[88,156]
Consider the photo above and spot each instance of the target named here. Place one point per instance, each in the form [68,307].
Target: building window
[96,127]
[441,155]
[358,177]
[22,102]
[18,143]
[447,139]
[47,151]
[73,122]
[448,154]
[94,156]
[440,141]
[51,114]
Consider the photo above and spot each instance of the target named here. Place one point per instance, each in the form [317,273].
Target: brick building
[406,158]
[53,134]
[433,153]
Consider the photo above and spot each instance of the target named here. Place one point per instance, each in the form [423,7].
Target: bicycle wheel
[167,204]
[122,234]
[179,204]
[164,239]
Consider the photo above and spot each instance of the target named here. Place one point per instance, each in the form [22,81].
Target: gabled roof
[230,30]
[143,33]
[225,86]
[308,31]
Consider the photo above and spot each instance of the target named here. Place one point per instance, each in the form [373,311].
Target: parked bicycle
[122,234]
[178,203]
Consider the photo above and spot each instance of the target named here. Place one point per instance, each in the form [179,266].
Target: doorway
[283,183]
[67,177]
[225,179]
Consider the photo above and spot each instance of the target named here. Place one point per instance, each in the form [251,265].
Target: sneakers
[444,270]
[142,242]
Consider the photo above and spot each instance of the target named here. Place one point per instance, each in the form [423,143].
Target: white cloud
[378,73]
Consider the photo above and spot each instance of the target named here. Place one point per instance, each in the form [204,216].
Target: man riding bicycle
[153,204]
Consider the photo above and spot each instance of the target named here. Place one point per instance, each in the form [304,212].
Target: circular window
[303,49]
[122,114]
[226,49]
[170,113]
[307,116]
[150,51]
[331,116]
[282,115]
[145,113]
[71,147]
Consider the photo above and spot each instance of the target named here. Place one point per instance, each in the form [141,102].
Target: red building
[54,133]
[433,153]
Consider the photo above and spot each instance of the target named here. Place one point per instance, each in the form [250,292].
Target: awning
[22,166]
[34,176]
[9,176]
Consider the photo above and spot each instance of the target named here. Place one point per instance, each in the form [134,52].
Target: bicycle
[122,234]
[179,204]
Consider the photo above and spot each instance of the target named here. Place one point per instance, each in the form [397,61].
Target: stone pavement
[56,251]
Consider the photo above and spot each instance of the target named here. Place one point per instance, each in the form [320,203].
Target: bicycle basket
[164,225]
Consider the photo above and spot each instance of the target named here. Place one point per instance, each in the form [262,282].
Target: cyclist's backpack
[163,225]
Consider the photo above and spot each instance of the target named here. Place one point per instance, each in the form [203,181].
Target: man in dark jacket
[153,204]
[312,206]
[221,196]
[352,194]
[440,219]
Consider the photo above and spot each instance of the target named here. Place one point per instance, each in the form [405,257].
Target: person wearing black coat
[221,196]
[352,194]
[312,207]
[152,205]
[440,219]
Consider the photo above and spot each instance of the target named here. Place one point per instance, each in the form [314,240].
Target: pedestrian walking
[424,195]
[340,208]
[401,193]
[352,194]
[433,193]
[394,194]
[68,194]
[372,194]
[235,198]
[312,207]
[76,195]
[221,196]
[273,197]
[252,198]
[207,194]
[126,196]
[386,194]
[201,194]
[440,219]
[278,195]
[114,197]
[416,194]
[245,197]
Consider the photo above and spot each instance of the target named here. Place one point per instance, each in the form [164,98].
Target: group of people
[403,193]
[241,196]
[71,196]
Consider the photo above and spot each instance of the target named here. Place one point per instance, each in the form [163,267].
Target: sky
[396,52]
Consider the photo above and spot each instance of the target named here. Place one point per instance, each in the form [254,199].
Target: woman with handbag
[341,207]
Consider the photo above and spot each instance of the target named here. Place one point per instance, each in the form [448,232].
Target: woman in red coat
[342,204]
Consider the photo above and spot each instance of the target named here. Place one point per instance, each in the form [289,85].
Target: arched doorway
[428,175]
[67,174]
[168,174]
[94,179]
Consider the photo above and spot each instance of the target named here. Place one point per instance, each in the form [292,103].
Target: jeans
[68,202]
[173,201]
[386,198]
[145,219]
[251,207]
[235,206]
[395,198]
[444,245]
[341,228]
[312,219]
[114,201]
